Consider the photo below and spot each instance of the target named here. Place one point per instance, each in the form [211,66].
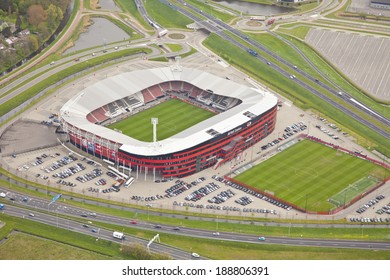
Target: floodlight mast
[154,123]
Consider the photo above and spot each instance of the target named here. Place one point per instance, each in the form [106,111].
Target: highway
[218,27]
[52,218]
[54,214]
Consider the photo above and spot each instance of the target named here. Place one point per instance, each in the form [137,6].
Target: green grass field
[307,174]
[173,116]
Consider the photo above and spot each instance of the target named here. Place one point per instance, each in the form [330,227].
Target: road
[55,218]
[22,206]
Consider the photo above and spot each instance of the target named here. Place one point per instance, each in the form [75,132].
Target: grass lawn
[20,246]
[173,116]
[308,173]
[165,15]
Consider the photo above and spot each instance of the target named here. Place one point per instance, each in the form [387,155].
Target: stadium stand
[120,104]
[97,116]
[205,97]
[177,86]
[131,101]
[195,92]
[105,109]
[91,118]
[148,96]
[187,87]
[156,91]
[166,86]
[112,107]
[140,97]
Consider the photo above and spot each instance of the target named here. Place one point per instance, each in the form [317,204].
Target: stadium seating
[140,97]
[92,118]
[131,101]
[156,91]
[177,86]
[120,104]
[148,96]
[97,116]
[195,92]
[105,109]
[112,107]
[187,87]
[165,86]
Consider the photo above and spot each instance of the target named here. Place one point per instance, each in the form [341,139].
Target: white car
[216,233]
[31,214]
[2,195]
[195,255]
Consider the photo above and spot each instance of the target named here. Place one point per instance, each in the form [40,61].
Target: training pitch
[308,174]
[173,116]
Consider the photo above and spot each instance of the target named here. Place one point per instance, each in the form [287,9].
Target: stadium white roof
[75,111]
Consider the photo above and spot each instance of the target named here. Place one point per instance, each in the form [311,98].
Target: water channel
[100,33]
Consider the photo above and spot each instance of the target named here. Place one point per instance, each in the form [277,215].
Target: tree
[52,16]
[18,22]
[36,15]
[33,42]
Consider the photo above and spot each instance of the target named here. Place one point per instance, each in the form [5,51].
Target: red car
[133,222]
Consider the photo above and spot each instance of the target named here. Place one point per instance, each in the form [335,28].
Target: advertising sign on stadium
[91,147]
[234,130]
[98,148]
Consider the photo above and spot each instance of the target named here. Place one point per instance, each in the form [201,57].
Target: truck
[118,235]
[118,183]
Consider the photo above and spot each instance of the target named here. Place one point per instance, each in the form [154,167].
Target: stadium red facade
[213,152]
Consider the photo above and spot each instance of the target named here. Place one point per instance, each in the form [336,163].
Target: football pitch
[173,116]
[308,174]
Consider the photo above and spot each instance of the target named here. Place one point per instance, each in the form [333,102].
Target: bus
[109,162]
[129,182]
[118,235]
[118,173]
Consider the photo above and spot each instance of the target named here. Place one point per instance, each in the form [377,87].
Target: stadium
[240,117]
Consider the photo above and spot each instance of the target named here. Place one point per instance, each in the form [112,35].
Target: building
[246,116]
